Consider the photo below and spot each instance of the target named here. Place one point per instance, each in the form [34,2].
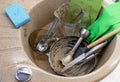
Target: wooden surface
[14,52]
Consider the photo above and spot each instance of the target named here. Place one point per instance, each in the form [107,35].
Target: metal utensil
[84,56]
[84,67]
[42,46]
[84,33]
[56,20]
[103,38]
[62,46]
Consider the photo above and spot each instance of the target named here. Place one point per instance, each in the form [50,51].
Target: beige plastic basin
[41,15]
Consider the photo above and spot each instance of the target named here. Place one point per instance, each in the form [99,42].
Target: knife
[83,56]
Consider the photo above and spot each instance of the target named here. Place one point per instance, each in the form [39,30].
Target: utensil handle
[105,37]
[77,44]
[52,26]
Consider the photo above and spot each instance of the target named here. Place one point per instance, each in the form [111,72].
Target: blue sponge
[17,14]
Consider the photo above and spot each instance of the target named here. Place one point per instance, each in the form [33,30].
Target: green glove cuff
[113,28]
[110,17]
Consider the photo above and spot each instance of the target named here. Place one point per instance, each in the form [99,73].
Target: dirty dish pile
[59,50]
[65,53]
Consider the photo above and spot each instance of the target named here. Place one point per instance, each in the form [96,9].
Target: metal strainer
[59,50]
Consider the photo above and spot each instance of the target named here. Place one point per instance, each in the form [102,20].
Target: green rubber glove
[106,23]
[113,28]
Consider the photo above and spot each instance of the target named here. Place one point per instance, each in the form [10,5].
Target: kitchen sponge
[17,14]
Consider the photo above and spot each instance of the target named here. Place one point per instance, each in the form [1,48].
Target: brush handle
[103,38]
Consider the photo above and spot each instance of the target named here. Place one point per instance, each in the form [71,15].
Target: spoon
[68,58]
[42,46]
